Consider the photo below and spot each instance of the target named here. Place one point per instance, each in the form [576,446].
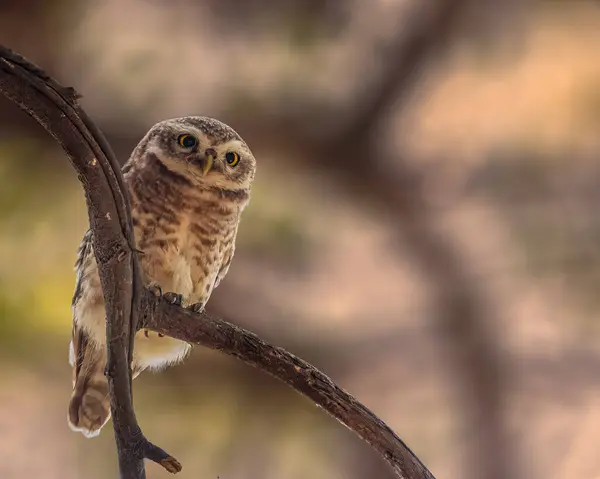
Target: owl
[189,179]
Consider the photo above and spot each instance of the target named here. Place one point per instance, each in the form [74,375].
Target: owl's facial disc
[206,158]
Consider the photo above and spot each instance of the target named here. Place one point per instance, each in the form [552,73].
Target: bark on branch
[56,109]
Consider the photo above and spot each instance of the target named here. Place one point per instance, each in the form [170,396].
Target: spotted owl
[188,180]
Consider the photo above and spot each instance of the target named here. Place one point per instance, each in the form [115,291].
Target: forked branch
[56,109]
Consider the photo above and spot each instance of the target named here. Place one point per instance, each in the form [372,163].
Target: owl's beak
[207,164]
[209,161]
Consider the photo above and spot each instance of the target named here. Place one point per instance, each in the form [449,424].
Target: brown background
[423,228]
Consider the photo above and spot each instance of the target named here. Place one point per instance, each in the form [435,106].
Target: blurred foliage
[12,332]
[32,177]
[275,227]
[304,22]
[549,201]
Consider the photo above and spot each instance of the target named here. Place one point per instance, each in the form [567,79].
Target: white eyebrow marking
[233,144]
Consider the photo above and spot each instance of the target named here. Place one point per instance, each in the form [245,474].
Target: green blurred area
[43,217]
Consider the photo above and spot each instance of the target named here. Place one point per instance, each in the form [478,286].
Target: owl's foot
[155,289]
[147,334]
[196,307]
[174,298]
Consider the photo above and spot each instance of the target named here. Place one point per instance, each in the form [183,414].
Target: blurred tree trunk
[463,317]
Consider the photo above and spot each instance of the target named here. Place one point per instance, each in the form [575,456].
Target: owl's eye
[232,158]
[187,141]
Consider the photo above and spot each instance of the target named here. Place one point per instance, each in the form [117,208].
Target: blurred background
[423,229]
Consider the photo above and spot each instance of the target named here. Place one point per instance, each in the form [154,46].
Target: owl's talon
[174,298]
[156,290]
[146,333]
[196,307]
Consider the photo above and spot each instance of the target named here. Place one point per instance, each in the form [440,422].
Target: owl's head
[205,151]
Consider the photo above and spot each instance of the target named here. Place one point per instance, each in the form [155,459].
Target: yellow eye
[232,158]
[187,141]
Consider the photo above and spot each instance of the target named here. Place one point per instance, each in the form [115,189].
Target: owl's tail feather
[89,407]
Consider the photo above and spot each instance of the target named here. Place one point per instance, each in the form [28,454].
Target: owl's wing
[79,339]
[83,253]
[89,406]
[228,257]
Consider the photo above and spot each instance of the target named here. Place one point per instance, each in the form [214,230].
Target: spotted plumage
[189,180]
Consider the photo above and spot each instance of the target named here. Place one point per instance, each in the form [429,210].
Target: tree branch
[56,109]
[163,317]
[429,26]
